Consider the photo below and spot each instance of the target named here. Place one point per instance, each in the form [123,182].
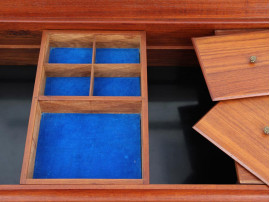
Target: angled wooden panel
[225,62]
[236,127]
[244,176]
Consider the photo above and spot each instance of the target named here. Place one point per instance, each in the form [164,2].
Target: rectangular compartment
[70,49]
[91,64]
[87,142]
[117,80]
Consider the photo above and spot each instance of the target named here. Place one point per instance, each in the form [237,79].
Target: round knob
[266,130]
[253,59]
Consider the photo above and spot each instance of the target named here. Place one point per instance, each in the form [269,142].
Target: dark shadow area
[16,89]
[178,98]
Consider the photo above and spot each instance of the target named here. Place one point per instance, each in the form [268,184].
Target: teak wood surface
[168,44]
[87,104]
[245,177]
[225,62]
[236,127]
[169,24]
[194,193]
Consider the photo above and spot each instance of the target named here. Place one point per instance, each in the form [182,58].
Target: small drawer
[89,117]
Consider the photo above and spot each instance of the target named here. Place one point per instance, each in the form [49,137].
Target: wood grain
[144,110]
[133,9]
[117,70]
[67,70]
[91,105]
[236,127]
[195,193]
[226,66]
[92,76]
[245,177]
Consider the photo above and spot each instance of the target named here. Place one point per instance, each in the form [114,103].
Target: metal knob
[266,130]
[253,59]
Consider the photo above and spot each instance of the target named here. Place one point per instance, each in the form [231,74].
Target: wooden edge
[88,98]
[231,34]
[180,187]
[67,70]
[117,70]
[245,177]
[92,32]
[196,193]
[27,149]
[40,70]
[92,77]
[239,96]
[234,31]
[144,112]
[84,181]
[33,112]
[202,66]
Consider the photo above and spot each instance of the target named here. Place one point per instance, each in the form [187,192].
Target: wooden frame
[87,104]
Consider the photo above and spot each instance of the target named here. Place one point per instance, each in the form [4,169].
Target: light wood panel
[236,127]
[245,177]
[225,62]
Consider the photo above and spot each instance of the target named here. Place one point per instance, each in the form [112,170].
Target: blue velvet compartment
[117,55]
[67,86]
[88,146]
[117,86]
[71,55]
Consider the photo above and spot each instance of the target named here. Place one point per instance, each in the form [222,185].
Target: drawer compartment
[99,64]
[75,145]
[87,144]
[89,120]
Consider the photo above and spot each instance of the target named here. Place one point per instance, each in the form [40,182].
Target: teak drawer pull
[253,59]
[266,130]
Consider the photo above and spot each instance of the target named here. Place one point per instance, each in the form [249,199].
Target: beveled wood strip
[236,127]
[90,106]
[144,110]
[84,181]
[117,70]
[92,77]
[19,46]
[67,70]
[245,177]
[225,62]
[34,141]
[235,31]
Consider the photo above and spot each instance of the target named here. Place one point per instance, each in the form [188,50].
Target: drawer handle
[253,59]
[266,130]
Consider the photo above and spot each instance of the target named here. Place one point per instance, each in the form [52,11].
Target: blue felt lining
[103,55]
[67,86]
[117,86]
[88,146]
[117,55]
[71,55]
